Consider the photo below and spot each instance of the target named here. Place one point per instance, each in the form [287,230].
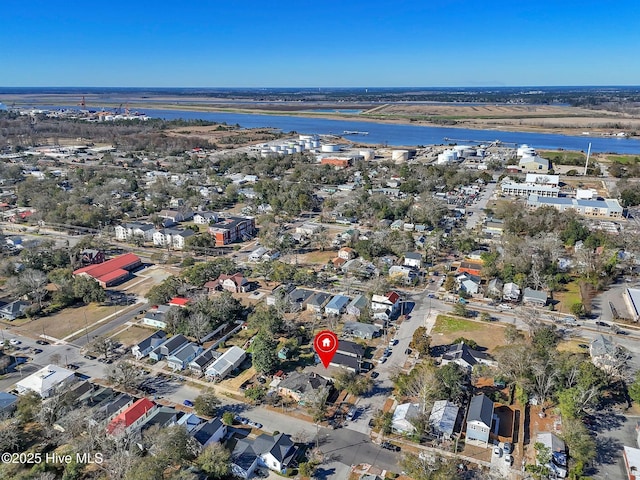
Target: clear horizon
[331,44]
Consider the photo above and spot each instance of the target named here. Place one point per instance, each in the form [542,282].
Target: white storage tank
[298,148]
[291,151]
[308,138]
[447,156]
[330,147]
[315,143]
[525,151]
[367,154]
[400,155]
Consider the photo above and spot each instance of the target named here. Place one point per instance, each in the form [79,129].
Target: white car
[15,341]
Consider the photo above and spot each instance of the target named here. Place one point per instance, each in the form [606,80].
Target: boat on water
[354,132]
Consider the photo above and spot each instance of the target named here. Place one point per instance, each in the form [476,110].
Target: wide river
[408,135]
[404,135]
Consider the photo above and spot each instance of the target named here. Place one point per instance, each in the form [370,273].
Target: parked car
[602,324]
[374,374]
[188,403]
[72,366]
[382,360]
[508,459]
[89,357]
[407,351]
[37,351]
[42,342]
[390,446]
[507,447]
[497,451]
[15,341]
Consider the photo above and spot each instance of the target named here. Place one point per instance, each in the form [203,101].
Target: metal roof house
[443,417]
[534,297]
[366,331]
[403,416]
[168,347]
[357,305]
[337,305]
[46,381]
[226,363]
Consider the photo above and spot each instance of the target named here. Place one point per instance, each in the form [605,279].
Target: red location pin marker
[325,345]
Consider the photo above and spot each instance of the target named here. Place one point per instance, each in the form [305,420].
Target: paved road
[111,325]
[474,211]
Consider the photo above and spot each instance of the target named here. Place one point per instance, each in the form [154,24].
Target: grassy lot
[132,335]
[317,257]
[447,329]
[623,159]
[573,346]
[568,297]
[565,158]
[69,320]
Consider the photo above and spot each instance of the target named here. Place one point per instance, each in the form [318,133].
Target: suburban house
[181,358]
[244,458]
[309,229]
[348,356]
[472,268]
[258,254]
[111,272]
[443,418]
[469,283]
[161,417]
[603,352]
[479,419]
[494,288]
[533,297]
[143,348]
[172,217]
[337,305]
[13,310]
[365,331]
[199,364]
[154,317]
[190,421]
[347,253]
[46,381]
[276,452]
[205,218]
[91,256]
[226,363]
[400,273]
[413,259]
[357,305]
[558,463]
[403,418]
[212,431]
[317,301]
[168,347]
[511,292]
[235,283]
[302,387]
[129,231]
[179,302]
[233,229]
[8,403]
[385,306]
[132,417]
[465,356]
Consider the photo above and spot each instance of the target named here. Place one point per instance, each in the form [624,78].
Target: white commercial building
[609,207]
[46,380]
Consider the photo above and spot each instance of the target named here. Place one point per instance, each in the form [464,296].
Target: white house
[479,419]
[510,292]
[205,218]
[403,416]
[128,231]
[226,363]
[154,340]
[413,259]
[171,238]
[443,417]
[46,381]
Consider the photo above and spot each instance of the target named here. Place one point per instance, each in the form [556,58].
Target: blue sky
[299,43]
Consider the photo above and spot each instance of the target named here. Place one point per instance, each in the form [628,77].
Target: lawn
[318,257]
[487,334]
[623,159]
[132,335]
[573,346]
[568,297]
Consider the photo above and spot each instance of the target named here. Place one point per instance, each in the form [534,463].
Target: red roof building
[112,271]
[393,297]
[336,162]
[131,417]
[178,302]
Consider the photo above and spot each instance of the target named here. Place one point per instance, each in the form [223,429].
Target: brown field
[486,334]
[132,335]
[68,321]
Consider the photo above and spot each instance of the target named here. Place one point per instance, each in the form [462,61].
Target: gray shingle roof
[481,410]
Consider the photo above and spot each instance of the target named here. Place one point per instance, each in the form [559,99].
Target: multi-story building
[233,229]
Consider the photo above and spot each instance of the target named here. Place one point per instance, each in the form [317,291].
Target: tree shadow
[608,450]
[324,473]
